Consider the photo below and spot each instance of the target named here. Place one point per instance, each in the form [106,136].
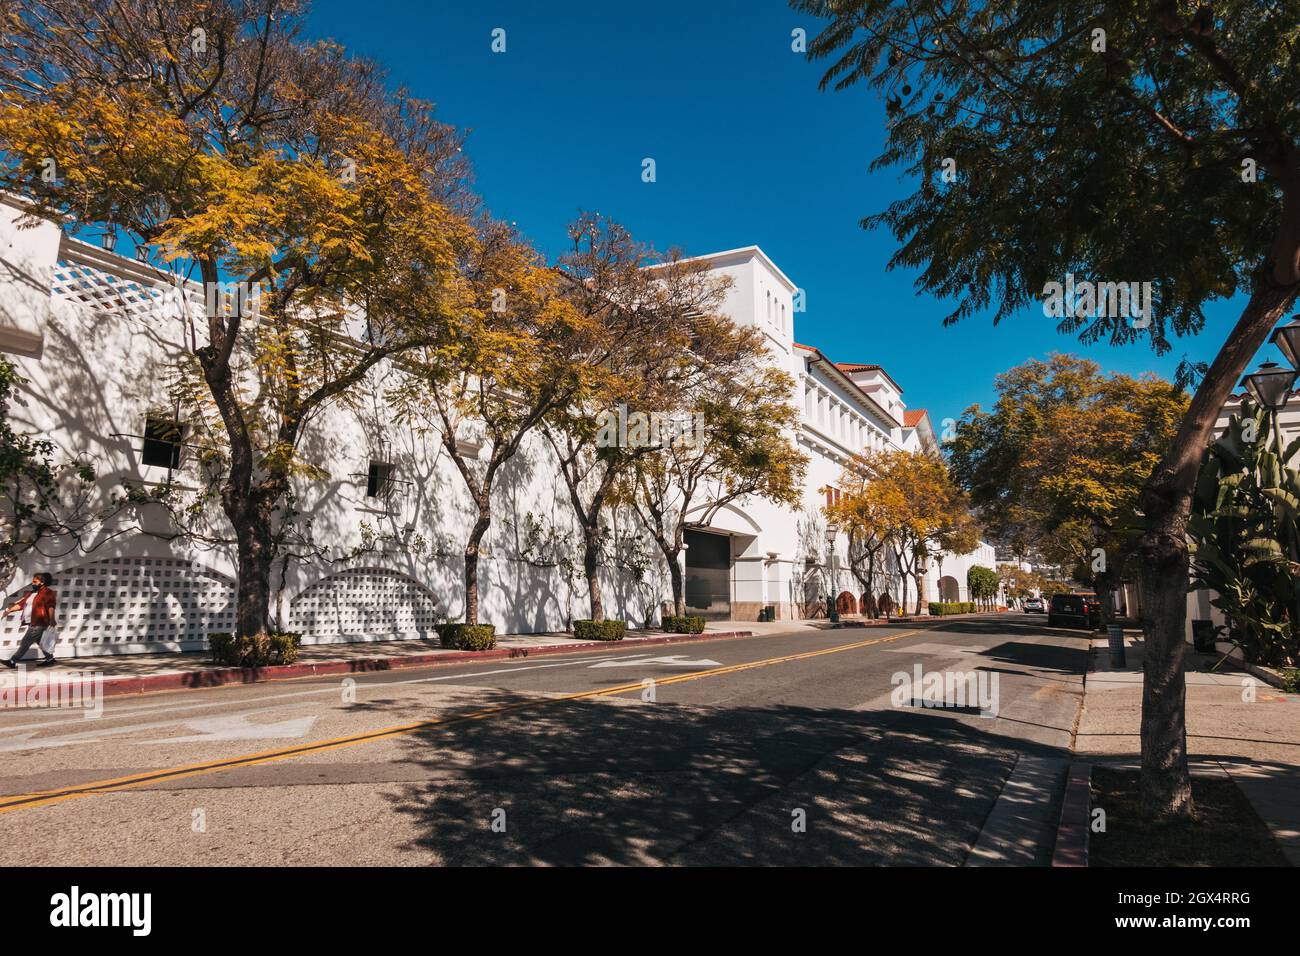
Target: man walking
[37,606]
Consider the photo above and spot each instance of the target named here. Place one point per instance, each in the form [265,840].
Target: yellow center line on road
[42,798]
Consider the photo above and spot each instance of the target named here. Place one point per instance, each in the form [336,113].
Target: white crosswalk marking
[675,660]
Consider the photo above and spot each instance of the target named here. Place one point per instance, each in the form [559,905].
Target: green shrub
[684,624]
[221,645]
[599,630]
[285,646]
[941,608]
[260,650]
[1291,680]
[467,637]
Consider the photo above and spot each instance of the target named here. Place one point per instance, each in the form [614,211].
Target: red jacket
[42,606]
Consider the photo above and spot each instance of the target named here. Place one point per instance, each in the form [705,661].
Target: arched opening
[949,590]
[868,605]
[846,603]
[886,604]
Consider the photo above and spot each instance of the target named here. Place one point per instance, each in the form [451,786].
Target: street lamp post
[832,611]
[1270,385]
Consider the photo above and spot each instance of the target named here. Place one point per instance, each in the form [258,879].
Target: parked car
[1034,606]
[1069,610]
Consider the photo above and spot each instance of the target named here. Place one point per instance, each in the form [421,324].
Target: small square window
[162,443]
[379,480]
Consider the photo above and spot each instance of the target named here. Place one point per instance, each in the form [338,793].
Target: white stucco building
[95,333]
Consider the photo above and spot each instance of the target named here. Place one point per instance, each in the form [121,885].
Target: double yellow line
[27,801]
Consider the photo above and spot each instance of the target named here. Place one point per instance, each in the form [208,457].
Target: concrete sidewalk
[1255,742]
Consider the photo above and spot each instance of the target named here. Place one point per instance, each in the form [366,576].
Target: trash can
[1115,638]
[1203,636]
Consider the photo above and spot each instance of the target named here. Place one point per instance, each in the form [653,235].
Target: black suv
[1072,610]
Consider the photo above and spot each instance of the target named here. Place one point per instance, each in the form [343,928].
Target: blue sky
[747,151]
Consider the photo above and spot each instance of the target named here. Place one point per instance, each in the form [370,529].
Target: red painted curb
[221,676]
[1072,833]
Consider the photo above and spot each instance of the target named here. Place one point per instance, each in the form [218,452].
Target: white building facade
[96,334]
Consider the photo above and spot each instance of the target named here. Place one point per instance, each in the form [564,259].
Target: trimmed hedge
[685,624]
[940,608]
[586,630]
[260,650]
[467,637]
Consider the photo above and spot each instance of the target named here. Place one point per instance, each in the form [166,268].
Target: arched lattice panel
[364,601]
[114,602]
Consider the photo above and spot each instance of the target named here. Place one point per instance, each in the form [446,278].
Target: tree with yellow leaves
[519,351]
[907,503]
[232,152]
[864,511]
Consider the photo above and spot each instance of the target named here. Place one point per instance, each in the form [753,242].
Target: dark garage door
[708,575]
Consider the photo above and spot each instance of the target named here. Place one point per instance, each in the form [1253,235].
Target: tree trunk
[679,585]
[1165,786]
[1166,504]
[256,562]
[471,565]
[590,557]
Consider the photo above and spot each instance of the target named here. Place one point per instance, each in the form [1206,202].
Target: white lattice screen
[118,601]
[113,285]
[364,601]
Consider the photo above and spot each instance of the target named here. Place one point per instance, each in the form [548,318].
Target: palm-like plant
[1244,532]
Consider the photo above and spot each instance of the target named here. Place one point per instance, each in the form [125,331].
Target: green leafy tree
[1064,455]
[1115,141]
[982,584]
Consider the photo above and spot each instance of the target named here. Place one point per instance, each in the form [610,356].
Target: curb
[221,676]
[1072,833]
[1267,674]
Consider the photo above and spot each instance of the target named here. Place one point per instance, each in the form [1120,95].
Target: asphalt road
[779,749]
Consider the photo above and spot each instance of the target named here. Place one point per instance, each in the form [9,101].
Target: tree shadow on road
[630,782]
